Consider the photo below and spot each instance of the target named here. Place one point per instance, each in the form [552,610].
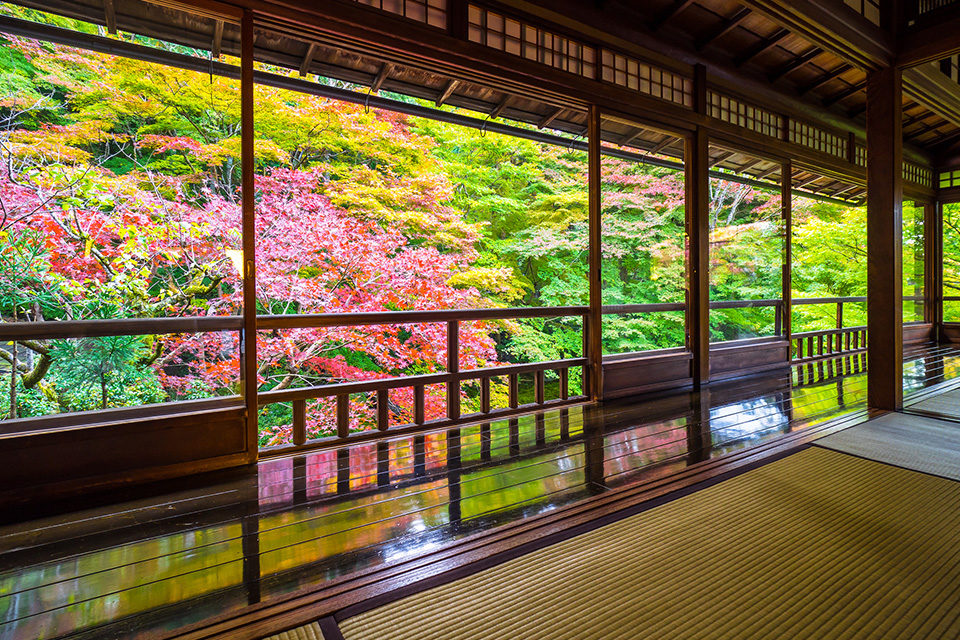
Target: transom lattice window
[431,12]
[917,174]
[818,139]
[512,36]
[645,78]
[745,115]
[950,178]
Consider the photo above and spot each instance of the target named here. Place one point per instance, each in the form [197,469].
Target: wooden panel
[748,356]
[950,334]
[917,333]
[625,375]
[163,447]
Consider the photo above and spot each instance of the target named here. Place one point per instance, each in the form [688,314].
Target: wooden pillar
[884,239]
[933,267]
[786,198]
[595,325]
[248,345]
[697,180]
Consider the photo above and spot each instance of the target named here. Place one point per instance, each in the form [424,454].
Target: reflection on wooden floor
[161,563]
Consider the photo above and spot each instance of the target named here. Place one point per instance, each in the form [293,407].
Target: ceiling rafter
[726,27]
[381,77]
[447,91]
[762,47]
[797,63]
[846,93]
[826,78]
[217,44]
[546,120]
[308,58]
[110,16]
[497,110]
[670,13]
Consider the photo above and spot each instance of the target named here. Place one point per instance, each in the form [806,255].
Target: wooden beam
[720,158]
[550,117]
[748,165]
[825,78]
[797,63]
[884,240]
[762,47]
[447,91]
[110,16]
[381,77]
[929,43]
[854,38]
[932,262]
[308,59]
[594,326]
[663,144]
[670,13]
[497,110]
[725,27]
[846,93]
[248,232]
[217,44]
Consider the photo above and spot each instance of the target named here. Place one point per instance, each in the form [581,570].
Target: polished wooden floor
[147,566]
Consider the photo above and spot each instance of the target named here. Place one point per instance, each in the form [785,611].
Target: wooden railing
[813,345]
[453,378]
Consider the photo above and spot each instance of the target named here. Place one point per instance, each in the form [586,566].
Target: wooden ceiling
[749,53]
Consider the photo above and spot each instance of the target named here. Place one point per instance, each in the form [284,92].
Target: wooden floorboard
[248,553]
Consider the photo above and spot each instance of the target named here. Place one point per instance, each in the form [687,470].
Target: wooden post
[697,180]
[595,325]
[884,239]
[786,200]
[248,346]
[933,267]
[453,366]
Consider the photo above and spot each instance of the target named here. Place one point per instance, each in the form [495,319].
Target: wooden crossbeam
[217,44]
[725,27]
[763,47]
[308,59]
[797,63]
[721,158]
[825,78]
[447,91]
[546,120]
[663,144]
[381,77]
[768,172]
[748,165]
[110,16]
[630,137]
[497,110]
[670,13]
[846,93]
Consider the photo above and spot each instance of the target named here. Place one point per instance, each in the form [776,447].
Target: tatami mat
[816,545]
[945,404]
[914,442]
[309,632]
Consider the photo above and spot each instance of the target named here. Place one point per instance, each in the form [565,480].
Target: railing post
[453,366]
[299,422]
[343,415]
[383,409]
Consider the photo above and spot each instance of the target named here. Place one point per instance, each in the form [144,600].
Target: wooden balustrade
[452,379]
